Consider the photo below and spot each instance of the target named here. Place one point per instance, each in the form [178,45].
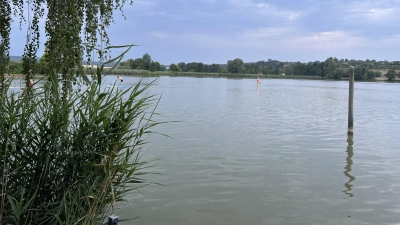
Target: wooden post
[351,98]
[112,220]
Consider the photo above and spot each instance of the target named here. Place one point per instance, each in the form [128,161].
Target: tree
[155,66]
[189,67]
[199,67]
[358,73]
[138,64]
[15,67]
[175,68]
[330,66]
[235,66]
[224,70]
[371,75]
[338,74]
[288,70]
[270,70]
[128,64]
[391,75]
[182,65]
[146,59]
[215,68]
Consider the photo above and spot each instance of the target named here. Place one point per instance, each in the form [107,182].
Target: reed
[204,74]
[70,160]
[130,72]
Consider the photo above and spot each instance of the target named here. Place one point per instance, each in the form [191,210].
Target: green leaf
[120,46]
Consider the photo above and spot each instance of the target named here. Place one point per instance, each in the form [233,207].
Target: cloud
[263,33]
[280,28]
[266,10]
[254,28]
[372,11]
[160,35]
[239,40]
[326,41]
[388,41]
[267,38]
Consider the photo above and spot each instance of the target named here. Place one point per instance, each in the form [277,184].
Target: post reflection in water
[349,163]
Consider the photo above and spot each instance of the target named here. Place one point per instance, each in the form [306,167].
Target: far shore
[21,76]
[227,75]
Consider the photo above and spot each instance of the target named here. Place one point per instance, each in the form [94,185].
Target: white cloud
[389,41]
[263,33]
[372,11]
[266,10]
[266,38]
[331,40]
[161,35]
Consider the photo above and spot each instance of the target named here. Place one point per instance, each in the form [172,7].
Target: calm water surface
[274,154]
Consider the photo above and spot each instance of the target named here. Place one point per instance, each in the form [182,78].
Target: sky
[215,31]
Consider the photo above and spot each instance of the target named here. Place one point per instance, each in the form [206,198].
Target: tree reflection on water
[349,163]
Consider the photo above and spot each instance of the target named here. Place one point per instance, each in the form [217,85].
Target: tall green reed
[70,159]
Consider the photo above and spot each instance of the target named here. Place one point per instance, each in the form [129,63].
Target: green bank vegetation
[67,156]
[331,68]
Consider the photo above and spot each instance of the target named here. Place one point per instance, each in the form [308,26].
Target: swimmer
[121,80]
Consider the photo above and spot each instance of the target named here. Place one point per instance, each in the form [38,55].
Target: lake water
[274,154]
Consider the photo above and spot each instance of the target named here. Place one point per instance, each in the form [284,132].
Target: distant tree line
[40,67]
[331,68]
[197,67]
[144,63]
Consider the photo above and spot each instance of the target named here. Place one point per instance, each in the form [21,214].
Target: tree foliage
[331,68]
[235,66]
[67,156]
[391,75]
[66,22]
[146,59]
[175,68]
[143,63]
[155,66]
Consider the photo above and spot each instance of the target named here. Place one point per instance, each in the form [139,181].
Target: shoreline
[252,76]
[225,75]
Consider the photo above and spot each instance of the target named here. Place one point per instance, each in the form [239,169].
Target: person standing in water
[258,81]
[120,79]
[31,83]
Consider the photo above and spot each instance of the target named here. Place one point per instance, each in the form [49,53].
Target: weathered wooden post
[112,220]
[351,98]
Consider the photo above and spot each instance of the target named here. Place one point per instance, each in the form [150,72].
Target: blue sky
[214,31]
